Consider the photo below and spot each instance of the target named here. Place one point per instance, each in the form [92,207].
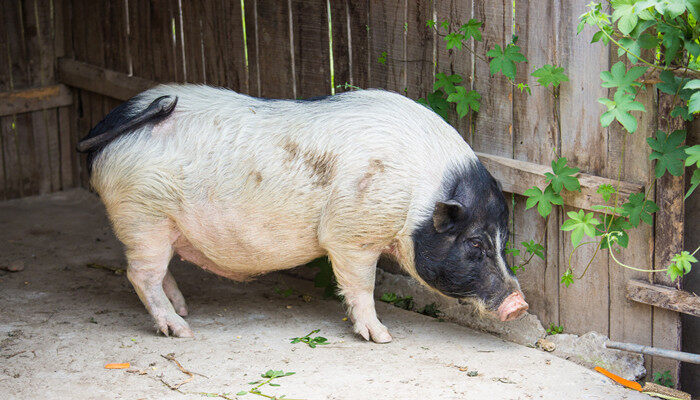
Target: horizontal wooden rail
[664,297]
[27,100]
[517,176]
[99,80]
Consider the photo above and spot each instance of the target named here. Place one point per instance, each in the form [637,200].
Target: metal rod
[653,351]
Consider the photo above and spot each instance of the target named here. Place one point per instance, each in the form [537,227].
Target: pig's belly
[238,244]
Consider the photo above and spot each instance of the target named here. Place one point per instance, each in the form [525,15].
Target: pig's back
[252,181]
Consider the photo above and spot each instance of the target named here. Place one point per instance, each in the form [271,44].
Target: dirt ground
[62,321]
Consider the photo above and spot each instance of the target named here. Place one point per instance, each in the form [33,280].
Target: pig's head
[460,248]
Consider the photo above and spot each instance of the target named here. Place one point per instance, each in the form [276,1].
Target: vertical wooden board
[192,33]
[341,37]
[584,304]
[420,43]
[177,49]
[669,238]
[311,47]
[212,45]
[11,156]
[141,37]
[7,188]
[455,61]
[251,45]
[162,45]
[535,139]
[386,26]
[631,321]
[231,35]
[273,48]
[29,166]
[493,130]
[67,152]
[80,110]
[361,58]
[115,38]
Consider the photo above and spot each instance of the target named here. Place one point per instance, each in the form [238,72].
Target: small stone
[546,345]
[15,266]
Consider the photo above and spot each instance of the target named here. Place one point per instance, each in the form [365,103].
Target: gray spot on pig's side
[322,166]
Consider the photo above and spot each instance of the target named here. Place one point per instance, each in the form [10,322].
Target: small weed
[312,342]
[432,310]
[473,373]
[284,293]
[268,377]
[382,58]
[554,329]
[401,302]
[663,378]
[324,277]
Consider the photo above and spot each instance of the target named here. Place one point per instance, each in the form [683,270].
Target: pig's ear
[446,214]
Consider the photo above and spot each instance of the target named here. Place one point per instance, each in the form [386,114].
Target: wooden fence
[107,51]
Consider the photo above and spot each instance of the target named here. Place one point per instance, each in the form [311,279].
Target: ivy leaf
[562,176]
[637,209]
[445,25]
[671,41]
[504,60]
[680,264]
[671,84]
[670,8]
[465,100]
[382,58]
[606,190]
[436,102]
[693,156]
[682,112]
[550,75]
[534,248]
[694,101]
[446,83]
[694,182]
[669,152]
[625,15]
[568,277]
[544,200]
[614,224]
[619,77]
[430,23]
[454,39]
[580,223]
[472,29]
[619,109]
[633,49]
[511,250]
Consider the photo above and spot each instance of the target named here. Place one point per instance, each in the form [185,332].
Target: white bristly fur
[243,186]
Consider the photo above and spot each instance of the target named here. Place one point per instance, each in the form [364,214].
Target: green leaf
[430,23]
[680,264]
[510,250]
[543,200]
[637,209]
[625,15]
[606,190]
[567,278]
[693,156]
[619,109]
[382,58]
[619,225]
[671,84]
[446,83]
[241,393]
[580,223]
[632,48]
[682,112]
[668,152]
[534,248]
[694,182]
[621,78]
[694,103]
[672,39]
[436,101]
[504,60]
[550,75]
[472,29]
[562,177]
[465,100]
[454,40]
[389,297]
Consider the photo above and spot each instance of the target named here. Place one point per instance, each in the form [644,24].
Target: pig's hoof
[377,332]
[176,325]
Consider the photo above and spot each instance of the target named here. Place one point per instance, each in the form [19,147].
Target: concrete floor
[61,321]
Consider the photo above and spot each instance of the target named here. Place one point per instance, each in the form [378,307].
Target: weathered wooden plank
[66,148]
[27,100]
[311,51]
[664,297]
[100,80]
[231,35]
[359,43]
[583,305]
[535,136]
[274,54]
[341,42]
[455,61]
[213,46]
[420,48]
[386,27]
[192,33]
[517,176]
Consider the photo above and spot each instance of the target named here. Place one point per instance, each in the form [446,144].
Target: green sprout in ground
[554,329]
[432,310]
[663,378]
[311,341]
[268,377]
[397,301]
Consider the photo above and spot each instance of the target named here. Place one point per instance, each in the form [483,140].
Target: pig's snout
[512,307]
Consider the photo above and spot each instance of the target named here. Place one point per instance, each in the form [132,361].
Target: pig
[242,186]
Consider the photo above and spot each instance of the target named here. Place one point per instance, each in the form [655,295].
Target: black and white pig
[242,186]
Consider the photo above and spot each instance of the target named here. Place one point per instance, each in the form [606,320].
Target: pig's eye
[476,243]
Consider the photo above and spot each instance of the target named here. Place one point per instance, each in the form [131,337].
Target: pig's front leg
[148,272]
[355,272]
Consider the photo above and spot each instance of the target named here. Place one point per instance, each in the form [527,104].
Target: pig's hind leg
[149,250]
[355,272]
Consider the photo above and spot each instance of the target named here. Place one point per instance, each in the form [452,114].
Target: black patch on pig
[460,261]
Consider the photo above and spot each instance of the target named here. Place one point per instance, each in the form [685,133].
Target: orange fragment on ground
[117,366]
[622,381]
